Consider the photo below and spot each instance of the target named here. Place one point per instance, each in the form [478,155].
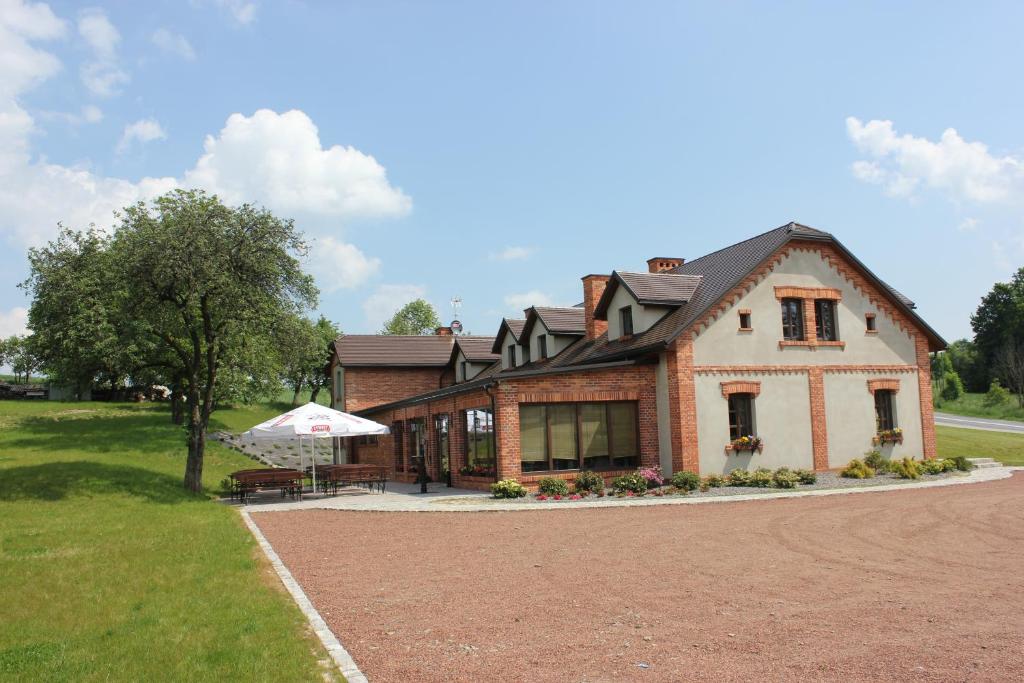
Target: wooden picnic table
[247,482]
[332,477]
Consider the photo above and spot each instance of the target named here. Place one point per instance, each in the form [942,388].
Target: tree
[1010,365]
[416,317]
[999,321]
[209,283]
[305,353]
[19,353]
[963,355]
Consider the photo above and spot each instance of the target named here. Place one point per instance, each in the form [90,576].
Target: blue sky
[499,151]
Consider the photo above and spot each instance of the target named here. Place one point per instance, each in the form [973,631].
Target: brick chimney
[443,332]
[661,264]
[593,288]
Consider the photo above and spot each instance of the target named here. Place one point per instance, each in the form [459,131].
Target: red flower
[574,496]
[541,496]
[558,496]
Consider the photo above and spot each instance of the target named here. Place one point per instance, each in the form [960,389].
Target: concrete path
[984,423]
[400,498]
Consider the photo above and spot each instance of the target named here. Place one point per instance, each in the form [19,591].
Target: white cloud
[339,265]
[173,43]
[13,322]
[511,254]
[242,11]
[92,114]
[519,302]
[963,170]
[387,299]
[143,130]
[103,75]
[968,225]
[279,160]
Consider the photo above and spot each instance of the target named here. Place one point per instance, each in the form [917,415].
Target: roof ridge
[633,272]
[735,244]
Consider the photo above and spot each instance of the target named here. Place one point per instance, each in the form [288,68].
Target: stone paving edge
[342,659]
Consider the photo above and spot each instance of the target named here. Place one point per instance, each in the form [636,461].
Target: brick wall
[368,387]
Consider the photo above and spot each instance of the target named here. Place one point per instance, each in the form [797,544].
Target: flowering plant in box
[747,443]
[894,435]
[476,471]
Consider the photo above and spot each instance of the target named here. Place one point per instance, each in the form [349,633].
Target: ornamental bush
[876,461]
[630,483]
[761,478]
[963,464]
[948,464]
[553,487]
[997,395]
[785,478]
[713,481]
[856,469]
[508,488]
[589,482]
[686,481]
[739,477]
[806,476]
[932,466]
[652,475]
[952,386]
[906,468]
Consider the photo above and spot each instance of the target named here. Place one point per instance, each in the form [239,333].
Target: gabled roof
[393,350]
[649,289]
[475,349]
[513,327]
[569,321]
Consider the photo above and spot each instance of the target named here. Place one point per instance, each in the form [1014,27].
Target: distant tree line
[993,362]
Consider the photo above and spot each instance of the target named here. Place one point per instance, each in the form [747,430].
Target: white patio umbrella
[315,421]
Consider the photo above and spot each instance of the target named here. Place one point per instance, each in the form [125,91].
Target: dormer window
[526,355]
[542,346]
[511,355]
[465,370]
[626,321]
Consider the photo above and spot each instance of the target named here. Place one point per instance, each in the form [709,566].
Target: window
[511,355]
[825,320]
[465,370]
[526,355]
[885,411]
[555,436]
[480,438]
[542,346]
[396,433]
[745,320]
[793,319]
[367,440]
[741,415]
[626,320]
[869,322]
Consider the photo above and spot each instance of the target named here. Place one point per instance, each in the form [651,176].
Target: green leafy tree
[19,353]
[963,355]
[208,283]
[305,353]
[415,318]
[998,323]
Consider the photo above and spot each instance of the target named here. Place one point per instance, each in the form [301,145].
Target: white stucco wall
[664,416]
[471,370]
[722,344]
[850,416]
[556,343]
[643,316]
[782,418]
[506,340]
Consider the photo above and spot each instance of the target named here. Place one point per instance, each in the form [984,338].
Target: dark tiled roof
[514,327]
[558,320]
[649,289]
[396,350]
[477,349]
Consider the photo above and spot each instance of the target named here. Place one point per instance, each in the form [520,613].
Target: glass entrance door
[441,434]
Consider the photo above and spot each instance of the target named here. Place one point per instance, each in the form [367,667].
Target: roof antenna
[456,305]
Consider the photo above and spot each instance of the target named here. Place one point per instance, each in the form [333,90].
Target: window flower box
[885,436]
[750,444]
[477,471]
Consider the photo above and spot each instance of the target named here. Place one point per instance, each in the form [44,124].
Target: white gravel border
[338,653]
[391,502]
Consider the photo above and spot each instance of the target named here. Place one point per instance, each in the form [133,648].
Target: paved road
[979,423]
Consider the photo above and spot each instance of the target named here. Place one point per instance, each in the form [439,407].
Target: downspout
[494,425]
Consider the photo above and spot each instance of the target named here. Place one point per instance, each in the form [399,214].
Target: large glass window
[825,320]
[793,319]
[741,415]
[556,436]
[885,412]
[480,440]
[396,435]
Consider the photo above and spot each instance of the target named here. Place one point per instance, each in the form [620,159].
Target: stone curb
[380,504]
[342,659]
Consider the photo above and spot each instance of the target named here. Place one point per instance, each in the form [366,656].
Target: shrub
[906,468]
[652,475]
[963,464]
[857,470]
[508,488]
[714,481]
[552,486]
[875,460]
[686,481]
[952,386]
[739,477]
[589,482]
[932,466]
[806,476]
[996,395]
[761,478]
[785,478]
[948,464]
[630,483]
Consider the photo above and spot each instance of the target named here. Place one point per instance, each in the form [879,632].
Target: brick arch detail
[741,387]
[892,385]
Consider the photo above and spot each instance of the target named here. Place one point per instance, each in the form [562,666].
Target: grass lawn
[110,571]
[1005,447]
[973,405]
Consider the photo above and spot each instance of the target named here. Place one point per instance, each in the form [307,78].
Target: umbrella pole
[312,446]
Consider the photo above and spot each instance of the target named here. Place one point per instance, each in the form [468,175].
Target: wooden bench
[332,477]
[247,482]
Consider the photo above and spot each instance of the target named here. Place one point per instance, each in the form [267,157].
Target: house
[781,350]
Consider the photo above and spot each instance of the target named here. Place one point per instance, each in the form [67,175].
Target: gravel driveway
[918,585]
